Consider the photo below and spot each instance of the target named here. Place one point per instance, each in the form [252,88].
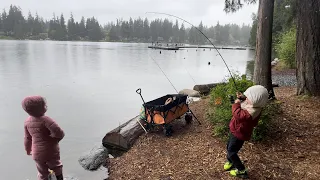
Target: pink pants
[43,168]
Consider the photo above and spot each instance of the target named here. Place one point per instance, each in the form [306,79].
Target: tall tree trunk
[262,68]
[308,47]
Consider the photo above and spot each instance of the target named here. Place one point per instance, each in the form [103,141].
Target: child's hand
[237,101]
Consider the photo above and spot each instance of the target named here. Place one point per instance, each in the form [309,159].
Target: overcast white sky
[209,11]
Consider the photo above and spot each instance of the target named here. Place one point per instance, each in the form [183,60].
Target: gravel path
[284,78]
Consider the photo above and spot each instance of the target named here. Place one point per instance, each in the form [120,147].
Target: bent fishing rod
[204,36]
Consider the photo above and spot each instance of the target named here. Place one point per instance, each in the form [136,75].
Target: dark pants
[233,147]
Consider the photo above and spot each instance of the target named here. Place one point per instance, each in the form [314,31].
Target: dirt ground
[291,150]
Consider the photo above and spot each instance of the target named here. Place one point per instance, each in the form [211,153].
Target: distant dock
[198,47]
[164,47]
[211,47]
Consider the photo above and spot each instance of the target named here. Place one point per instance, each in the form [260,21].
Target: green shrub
[264,124]
[286,48]
[220,109]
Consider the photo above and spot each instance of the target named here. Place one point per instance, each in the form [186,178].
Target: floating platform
[211,47]
[164,47]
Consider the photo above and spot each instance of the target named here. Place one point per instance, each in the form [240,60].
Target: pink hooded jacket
[42,134]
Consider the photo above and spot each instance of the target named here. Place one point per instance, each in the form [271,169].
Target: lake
[90,89]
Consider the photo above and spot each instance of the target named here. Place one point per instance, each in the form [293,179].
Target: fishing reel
[232,99]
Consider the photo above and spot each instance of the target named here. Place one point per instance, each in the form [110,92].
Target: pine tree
[82,28]
[72,34]
[146,29]
[182,34]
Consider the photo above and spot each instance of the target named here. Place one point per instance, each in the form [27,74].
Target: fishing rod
[163,73]
[204,36]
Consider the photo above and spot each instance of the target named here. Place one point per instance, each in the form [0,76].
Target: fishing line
[204,36]
[163,73]
[190,75]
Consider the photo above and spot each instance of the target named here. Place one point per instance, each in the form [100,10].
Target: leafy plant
[286,48]
[220,109]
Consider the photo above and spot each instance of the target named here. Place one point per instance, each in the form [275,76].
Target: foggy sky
[209,11]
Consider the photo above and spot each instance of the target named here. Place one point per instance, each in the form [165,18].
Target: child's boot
[228,166]
[60,177]
[241,174]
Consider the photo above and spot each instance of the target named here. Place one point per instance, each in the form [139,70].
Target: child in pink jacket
[42,136]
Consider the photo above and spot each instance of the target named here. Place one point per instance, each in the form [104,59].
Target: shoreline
[10,38]
[193,153]
[288,152]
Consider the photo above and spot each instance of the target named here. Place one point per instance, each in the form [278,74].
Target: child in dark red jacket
[245,116]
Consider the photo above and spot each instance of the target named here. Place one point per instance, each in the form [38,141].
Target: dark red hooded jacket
[242,124]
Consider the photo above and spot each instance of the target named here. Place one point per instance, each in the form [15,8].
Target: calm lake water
[90,89]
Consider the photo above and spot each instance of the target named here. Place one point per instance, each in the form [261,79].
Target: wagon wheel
[188,118]
[167,130]
[149,126]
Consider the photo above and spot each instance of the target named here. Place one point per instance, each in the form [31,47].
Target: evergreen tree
[218,33]
[82,28]
[131,28]
[38,26]
[72,32]
[146,29]
[125,30]
[182,34]
[176,31]
[30,23]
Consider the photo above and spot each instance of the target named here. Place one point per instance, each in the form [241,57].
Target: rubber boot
[60,177]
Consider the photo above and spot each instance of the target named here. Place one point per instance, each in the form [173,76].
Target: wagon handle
[138,91]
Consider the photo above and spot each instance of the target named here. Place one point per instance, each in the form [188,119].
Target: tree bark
[262,68]
[308,47]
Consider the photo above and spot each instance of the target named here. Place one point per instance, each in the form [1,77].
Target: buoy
[209,63]
[160,52]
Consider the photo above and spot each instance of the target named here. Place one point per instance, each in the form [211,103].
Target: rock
[97,157]
[190,92]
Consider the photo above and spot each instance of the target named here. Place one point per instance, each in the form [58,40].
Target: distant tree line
[13,24]
[167,31]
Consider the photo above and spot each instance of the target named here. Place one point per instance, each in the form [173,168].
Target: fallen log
[122,138]
[206,88]
[190,93]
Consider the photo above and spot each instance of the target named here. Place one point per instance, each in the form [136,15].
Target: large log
[205,88]
[121,139]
